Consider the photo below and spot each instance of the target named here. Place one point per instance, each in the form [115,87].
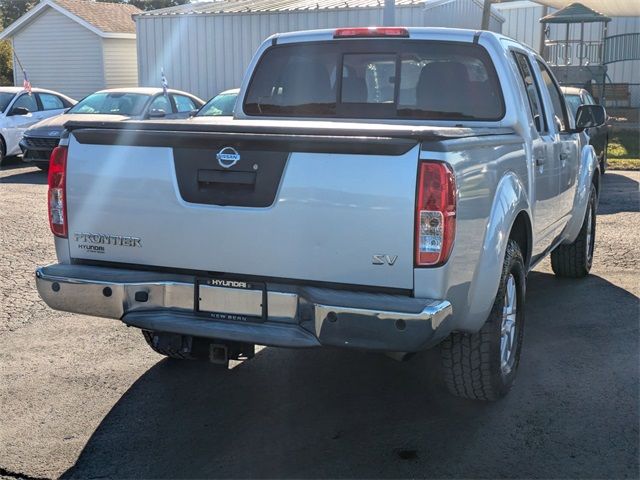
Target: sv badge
[384,259]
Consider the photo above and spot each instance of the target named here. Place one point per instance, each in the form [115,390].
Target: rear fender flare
[510,199]
[589,166]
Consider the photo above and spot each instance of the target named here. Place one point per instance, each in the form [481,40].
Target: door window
[28,102]
[531,87]
[184,104]
[556,96]
[51,102]
[161,102]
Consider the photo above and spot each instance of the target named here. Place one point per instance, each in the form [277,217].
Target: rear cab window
[376,78]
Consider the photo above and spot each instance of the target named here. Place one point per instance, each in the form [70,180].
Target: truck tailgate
[292,208]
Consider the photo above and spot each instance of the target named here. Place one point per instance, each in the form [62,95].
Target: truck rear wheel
[574,260]
[483,365]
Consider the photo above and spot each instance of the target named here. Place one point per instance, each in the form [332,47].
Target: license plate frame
[212,291]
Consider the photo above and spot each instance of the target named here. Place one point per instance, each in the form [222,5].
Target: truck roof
[460,34]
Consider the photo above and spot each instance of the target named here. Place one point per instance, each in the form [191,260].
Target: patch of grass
[623,164]
[624,144]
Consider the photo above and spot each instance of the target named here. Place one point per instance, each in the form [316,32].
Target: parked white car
[19,110]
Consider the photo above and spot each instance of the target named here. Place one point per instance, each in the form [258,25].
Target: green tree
[11,10]
[6,64]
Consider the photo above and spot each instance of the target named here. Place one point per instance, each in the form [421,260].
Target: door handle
[563,157]
[540,161]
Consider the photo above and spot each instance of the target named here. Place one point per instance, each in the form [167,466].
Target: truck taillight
[57,192]
[435,214]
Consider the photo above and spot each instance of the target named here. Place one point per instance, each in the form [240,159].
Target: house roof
[107,17]
[575,13]
[109,20]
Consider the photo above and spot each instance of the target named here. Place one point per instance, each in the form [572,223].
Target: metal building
[205,47]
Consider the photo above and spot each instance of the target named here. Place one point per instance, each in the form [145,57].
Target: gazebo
[561,52]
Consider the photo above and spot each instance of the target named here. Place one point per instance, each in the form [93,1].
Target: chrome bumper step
[298,316]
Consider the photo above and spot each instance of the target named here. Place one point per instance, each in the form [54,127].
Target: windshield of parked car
[5,100]
[112,103]
[380,78]
[573,102]
[219,105]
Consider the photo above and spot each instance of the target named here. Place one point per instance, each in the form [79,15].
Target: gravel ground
[84,398]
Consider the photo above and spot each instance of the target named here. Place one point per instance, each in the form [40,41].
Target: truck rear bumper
[298,316]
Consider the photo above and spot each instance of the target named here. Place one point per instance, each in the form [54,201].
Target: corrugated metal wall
[205,54]
[522,24]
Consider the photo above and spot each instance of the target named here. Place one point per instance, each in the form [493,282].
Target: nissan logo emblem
[228,157]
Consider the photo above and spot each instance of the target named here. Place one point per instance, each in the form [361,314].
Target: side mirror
[157,113]
[192,113]
[19,111]
[589,116]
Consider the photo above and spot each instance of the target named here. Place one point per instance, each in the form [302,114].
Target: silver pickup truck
[385,189]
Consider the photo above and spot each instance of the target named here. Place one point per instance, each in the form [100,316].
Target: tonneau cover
[291,127]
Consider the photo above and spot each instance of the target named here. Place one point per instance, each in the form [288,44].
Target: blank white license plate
[231,303]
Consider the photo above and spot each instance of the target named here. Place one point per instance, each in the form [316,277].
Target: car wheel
[483,365]
[574,260]
[3,150]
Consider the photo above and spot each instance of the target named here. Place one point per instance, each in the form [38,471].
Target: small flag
[165,84]
[26,84]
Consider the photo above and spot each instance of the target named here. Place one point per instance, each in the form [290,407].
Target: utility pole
[389,13]
[486,14]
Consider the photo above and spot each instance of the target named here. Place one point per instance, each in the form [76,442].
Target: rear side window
[51,102]
[394,79]
[530,85]
[555,94]
[184,104]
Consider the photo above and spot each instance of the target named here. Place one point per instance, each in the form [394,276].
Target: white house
[205,47]
[75,46]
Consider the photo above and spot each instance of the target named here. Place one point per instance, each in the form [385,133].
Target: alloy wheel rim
[508,326]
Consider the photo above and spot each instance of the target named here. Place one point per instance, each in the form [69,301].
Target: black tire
[175,353]
[603,161]
[473,365]
[3,151]
[574,260]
